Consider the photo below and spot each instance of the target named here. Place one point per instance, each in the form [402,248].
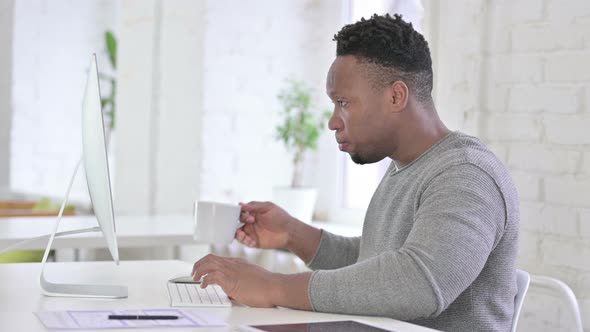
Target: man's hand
[252,285]
[267,226]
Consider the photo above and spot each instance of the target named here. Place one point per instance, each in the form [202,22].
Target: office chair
[565,292]
[523,280]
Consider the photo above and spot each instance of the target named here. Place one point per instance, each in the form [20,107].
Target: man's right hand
[267,226]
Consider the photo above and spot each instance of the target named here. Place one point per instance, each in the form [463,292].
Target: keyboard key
[192,295]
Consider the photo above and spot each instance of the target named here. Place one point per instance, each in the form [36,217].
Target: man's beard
[358,159]
[362,160]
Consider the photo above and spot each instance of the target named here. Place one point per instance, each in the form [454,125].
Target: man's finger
[250,230]
[211,278]
[205,261]
[243,213]
[204,270]
[244,216]
[255,207]
[244,237]
[239,235]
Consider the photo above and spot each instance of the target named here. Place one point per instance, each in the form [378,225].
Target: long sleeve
[460,219]
[335,251]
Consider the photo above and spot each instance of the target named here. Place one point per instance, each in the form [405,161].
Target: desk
[20,296]
[132,231]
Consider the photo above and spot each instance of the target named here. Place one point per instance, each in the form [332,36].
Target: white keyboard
[192,295]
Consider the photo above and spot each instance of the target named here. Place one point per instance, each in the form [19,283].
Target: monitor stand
[75,290]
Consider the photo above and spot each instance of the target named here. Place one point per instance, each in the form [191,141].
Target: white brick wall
[584,222]
[548,159]
[532,105]
[555,99]
[53,41]
[513,127]
[567,129]
[568,11]
[556,37]
[523,10]
[567,190]
[521,68]
[571,67]
[529,185]
[566,254]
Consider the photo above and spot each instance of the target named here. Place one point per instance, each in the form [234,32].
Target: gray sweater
[438,247]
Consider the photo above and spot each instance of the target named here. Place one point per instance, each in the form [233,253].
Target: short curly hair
[393,51]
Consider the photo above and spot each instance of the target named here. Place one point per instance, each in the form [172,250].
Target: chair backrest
[563,291]
[523,279]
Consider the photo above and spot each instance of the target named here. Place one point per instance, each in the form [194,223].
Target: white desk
[20,296]
[132,232]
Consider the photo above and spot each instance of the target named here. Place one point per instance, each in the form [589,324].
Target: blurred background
[191,95]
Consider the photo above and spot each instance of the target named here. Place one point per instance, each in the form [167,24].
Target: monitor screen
[96,161]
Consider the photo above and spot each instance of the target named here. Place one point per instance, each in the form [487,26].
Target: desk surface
[132,231]
[20,296]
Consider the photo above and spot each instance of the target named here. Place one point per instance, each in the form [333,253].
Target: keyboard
[192,295]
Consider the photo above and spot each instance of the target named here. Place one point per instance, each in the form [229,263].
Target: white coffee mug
[215,223]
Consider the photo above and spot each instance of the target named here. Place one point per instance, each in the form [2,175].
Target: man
[440,235]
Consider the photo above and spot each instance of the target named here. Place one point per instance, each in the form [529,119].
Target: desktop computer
[96,165]
[182,291]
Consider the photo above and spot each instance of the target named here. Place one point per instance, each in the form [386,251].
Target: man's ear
[399,96]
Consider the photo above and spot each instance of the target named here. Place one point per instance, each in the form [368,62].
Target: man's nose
[334,123]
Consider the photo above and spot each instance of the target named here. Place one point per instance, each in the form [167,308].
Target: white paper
[98,319]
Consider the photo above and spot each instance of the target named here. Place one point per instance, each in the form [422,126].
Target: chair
[564,291]
[523,280]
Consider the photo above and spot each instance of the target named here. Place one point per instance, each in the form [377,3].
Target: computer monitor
[96,164]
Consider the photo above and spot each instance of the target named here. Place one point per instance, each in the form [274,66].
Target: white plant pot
[298,202]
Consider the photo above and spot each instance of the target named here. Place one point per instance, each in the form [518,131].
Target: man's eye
[343,103]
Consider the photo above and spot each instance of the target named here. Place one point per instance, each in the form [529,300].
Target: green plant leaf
[111,42]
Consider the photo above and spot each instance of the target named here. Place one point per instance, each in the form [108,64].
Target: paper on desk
[98,319]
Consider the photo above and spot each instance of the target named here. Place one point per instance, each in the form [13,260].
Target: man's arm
[267,226]
[320,249]
[291,291]
[303,240]
[335,251]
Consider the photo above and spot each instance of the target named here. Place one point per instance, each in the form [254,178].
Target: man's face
[361,118]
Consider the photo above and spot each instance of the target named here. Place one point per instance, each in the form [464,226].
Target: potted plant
[299,131]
